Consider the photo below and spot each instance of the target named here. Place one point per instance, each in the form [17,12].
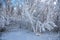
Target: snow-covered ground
[26,35]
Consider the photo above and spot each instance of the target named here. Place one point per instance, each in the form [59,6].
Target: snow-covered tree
[36,15]
[41,17]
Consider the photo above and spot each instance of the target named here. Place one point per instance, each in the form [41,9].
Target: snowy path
[25,35]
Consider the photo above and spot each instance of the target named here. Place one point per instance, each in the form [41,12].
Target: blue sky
[14,2]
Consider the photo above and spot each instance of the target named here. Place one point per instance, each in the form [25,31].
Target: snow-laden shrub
[2,21]
[49,25]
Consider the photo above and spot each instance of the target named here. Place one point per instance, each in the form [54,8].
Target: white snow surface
[25,35]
